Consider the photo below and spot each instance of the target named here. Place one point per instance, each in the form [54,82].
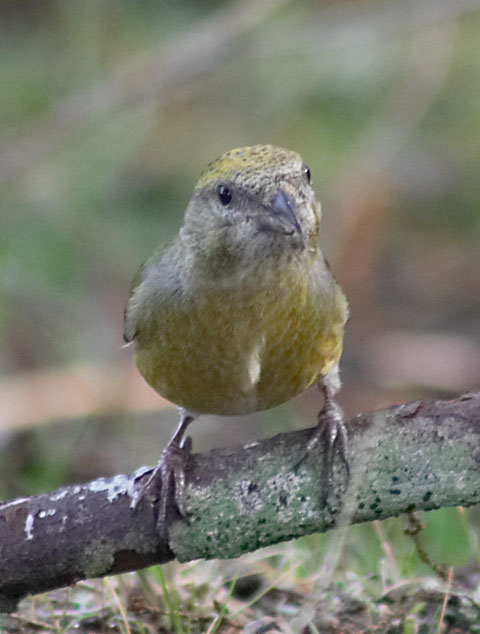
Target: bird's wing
[156,285]
[327,292]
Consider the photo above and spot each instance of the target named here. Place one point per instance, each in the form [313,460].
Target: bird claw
[167,483]
[331,433]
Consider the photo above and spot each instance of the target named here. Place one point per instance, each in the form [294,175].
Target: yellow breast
[235,350]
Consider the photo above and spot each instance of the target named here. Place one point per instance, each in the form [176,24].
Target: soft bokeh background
[109,110]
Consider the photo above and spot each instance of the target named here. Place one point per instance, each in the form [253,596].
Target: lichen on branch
[420,455]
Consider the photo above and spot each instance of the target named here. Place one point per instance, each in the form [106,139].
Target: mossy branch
[420,455]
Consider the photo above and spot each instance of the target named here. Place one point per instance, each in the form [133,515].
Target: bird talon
[331,433]
[167,482]
[172,467]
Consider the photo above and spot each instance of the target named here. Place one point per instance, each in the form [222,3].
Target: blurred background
[109,111]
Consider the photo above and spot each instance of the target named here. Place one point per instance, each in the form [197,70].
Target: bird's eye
[225,194]
[307,173]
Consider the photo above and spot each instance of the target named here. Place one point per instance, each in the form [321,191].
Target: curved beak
[279,216]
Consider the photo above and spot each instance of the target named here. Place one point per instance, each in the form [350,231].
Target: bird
[240,312]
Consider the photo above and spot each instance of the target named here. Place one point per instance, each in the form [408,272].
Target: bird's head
[250,204]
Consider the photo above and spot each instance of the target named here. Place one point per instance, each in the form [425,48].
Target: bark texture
[420,455]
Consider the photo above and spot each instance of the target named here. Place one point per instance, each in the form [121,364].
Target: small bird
[240,313]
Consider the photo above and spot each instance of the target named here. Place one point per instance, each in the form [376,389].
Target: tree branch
[418,455]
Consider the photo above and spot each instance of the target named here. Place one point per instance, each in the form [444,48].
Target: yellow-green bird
[240,312]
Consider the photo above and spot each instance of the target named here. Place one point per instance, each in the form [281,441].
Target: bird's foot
[167,483]
[331,433]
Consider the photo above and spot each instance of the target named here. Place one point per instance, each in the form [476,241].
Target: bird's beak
[280,215]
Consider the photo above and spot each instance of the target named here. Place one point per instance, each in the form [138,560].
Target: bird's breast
[242,348]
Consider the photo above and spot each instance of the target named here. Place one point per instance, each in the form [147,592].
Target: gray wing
[324,286]
[322,282]
[156,284]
